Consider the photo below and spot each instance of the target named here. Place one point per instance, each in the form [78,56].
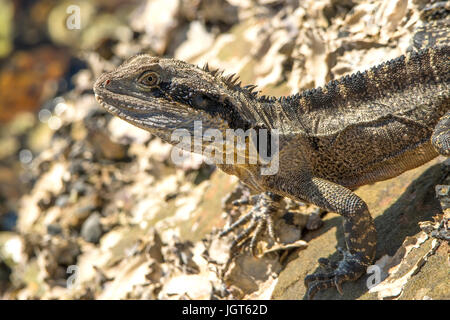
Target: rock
[198,41]
[103,143]
[121,130]
[443,193]
[215,12]
[57,254]
[54,229]
[247,273]
[5,272]
[403,266]
[129,274]
[12,248]
[91,230]
[79,210]
[8,221]
[187,286]
[163,17]
[314,220]
[51,182]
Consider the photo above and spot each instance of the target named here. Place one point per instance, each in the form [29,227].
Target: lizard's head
[161,95]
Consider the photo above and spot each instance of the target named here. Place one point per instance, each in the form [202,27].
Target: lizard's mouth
[120,108]
[116,102]
[138,117]
[110,108]
[148,117]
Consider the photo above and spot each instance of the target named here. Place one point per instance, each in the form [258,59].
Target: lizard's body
[333,128]
[356,130]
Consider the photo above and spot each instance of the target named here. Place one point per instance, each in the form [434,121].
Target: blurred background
[91,207]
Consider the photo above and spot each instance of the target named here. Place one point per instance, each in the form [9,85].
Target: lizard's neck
[274,113]
[256,112]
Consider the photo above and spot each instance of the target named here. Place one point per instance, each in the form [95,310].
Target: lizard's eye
[149,79]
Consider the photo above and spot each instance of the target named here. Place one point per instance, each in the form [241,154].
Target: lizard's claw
[349,268]
[260,218]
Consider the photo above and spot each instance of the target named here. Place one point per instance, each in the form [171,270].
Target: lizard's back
[375,125]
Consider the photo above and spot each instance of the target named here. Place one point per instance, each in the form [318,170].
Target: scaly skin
[356,130]
[434,28]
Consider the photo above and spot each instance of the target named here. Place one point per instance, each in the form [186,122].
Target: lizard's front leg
[260,217]
[441,136]
[359,231]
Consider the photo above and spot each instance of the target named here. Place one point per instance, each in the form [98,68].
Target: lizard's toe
[318,286]
[348,269]
[259,218]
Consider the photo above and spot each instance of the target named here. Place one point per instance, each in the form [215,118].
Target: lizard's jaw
[143,122]
[150,119]
[114,110]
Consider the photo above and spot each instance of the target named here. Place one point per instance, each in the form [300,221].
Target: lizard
[355,130]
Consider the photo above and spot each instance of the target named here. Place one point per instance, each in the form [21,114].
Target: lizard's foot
[260,218]
[350,268]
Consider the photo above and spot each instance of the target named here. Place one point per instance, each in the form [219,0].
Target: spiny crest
[267,98]
[232,81]
[250,87]
[213,72]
